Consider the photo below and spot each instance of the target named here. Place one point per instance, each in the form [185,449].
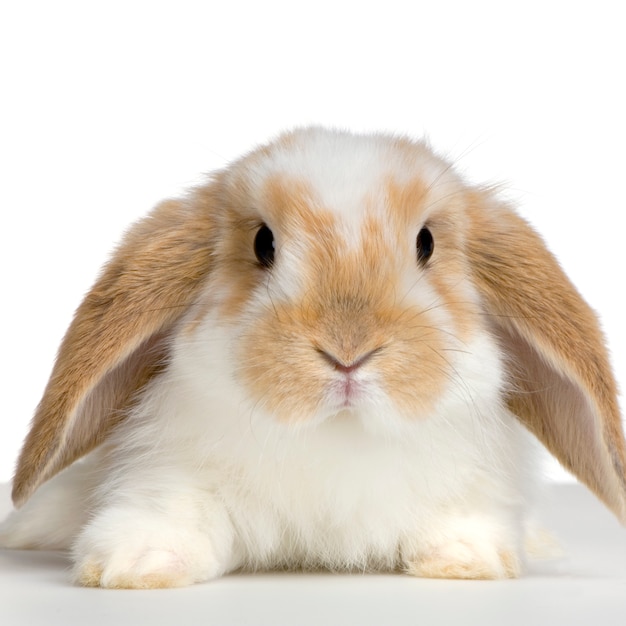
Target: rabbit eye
[264,246]
[425,245]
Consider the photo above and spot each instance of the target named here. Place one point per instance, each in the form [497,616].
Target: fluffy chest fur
[365,489]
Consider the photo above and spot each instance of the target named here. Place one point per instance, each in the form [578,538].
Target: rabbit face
[341,272]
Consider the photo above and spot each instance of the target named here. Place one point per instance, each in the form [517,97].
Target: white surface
[587,587]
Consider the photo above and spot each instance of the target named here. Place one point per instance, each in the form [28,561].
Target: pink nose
[347,368]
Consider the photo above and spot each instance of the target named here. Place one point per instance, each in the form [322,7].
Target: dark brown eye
[425,245]
[264,246]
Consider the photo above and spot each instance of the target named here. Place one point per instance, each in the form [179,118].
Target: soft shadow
[34,560]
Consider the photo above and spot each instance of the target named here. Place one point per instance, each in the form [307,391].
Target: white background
[106,108]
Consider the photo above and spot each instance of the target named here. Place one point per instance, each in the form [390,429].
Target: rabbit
[336,354]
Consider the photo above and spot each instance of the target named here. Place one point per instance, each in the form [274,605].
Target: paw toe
[151,569]
[461,560]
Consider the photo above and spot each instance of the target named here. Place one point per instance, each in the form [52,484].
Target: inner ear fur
[119,337]
[562,385]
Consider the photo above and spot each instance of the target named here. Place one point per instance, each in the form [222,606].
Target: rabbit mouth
[350,392]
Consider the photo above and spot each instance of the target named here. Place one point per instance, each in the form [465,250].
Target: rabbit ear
[119,337]
[563,389]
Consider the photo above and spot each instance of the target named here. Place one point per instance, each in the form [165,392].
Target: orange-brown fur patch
[351,305]
[149,284]
[414,205]
[564,388]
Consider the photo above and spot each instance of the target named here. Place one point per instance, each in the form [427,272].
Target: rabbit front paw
[459,559]
[143,568]
[472,547]
[138,552]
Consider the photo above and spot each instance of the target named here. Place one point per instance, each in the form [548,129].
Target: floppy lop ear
[563,389]
[119,337]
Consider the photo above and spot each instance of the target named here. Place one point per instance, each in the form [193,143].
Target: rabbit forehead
[335,219]
[341,174]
